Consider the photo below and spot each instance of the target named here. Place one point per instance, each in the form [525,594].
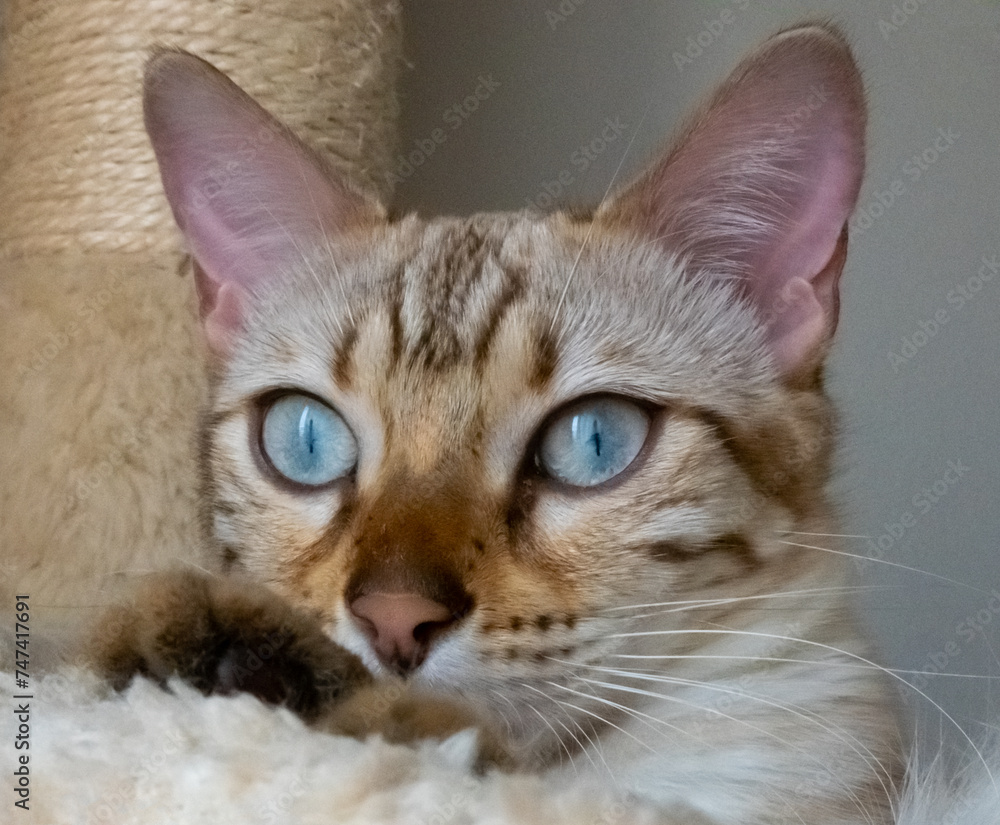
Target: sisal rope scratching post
[100,364]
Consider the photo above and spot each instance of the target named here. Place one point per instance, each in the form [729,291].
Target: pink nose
[400,626]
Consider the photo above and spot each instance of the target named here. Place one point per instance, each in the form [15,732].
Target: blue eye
[593,441]
[307,442]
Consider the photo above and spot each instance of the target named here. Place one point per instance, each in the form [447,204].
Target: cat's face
[458,376]
[475,448]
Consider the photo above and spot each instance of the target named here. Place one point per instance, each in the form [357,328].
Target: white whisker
[637,715]
[329,251]
[688,604]
[305,259]
[796,710]
[890,564]
[503,717]
[558,738]
[595,746]
[590,229]
[783,660]
[830,648]
[743,722]
[579,744]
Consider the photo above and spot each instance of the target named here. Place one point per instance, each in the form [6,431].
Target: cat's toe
[404,716]
[303,670]
[238,671]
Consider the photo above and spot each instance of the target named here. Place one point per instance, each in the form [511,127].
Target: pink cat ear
[248,195]
[761,184]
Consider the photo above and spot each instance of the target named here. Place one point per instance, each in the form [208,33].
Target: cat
[557,476]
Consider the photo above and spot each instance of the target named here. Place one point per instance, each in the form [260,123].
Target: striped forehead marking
[447,304]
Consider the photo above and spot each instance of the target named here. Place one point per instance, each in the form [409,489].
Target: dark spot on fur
[396,315]
[731,544]
[463,250]
[543,622]
[546,359]
[776,467]
[394,214]
[423,346]
[578,213]
[511,653]
[670,551]
[737,546]
[570,622]
[512,292]
[521,503]
[516,623]
[479,547]
[343,364]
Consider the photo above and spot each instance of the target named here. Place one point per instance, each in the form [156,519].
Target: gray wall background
[929,65]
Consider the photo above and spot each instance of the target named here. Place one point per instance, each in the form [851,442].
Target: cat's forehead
[456,284]
[547,306]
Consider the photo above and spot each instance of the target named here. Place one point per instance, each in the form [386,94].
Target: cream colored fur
[150,757]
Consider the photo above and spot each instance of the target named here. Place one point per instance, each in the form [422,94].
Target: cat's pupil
[597,440]
[309,437]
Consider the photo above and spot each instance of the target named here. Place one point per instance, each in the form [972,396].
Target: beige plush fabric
[149,757]
[101,372]
[152,757]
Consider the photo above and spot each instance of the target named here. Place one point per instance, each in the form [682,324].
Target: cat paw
[227,635]
[402,715]
[224,635]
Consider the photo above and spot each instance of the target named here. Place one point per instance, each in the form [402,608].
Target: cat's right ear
[760,186]
[249,196]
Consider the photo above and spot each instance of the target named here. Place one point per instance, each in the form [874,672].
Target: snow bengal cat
[557,476]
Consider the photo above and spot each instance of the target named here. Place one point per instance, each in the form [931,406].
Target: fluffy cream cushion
[150,756]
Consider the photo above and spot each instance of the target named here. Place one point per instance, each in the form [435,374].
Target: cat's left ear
[761,184]
[249,196]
